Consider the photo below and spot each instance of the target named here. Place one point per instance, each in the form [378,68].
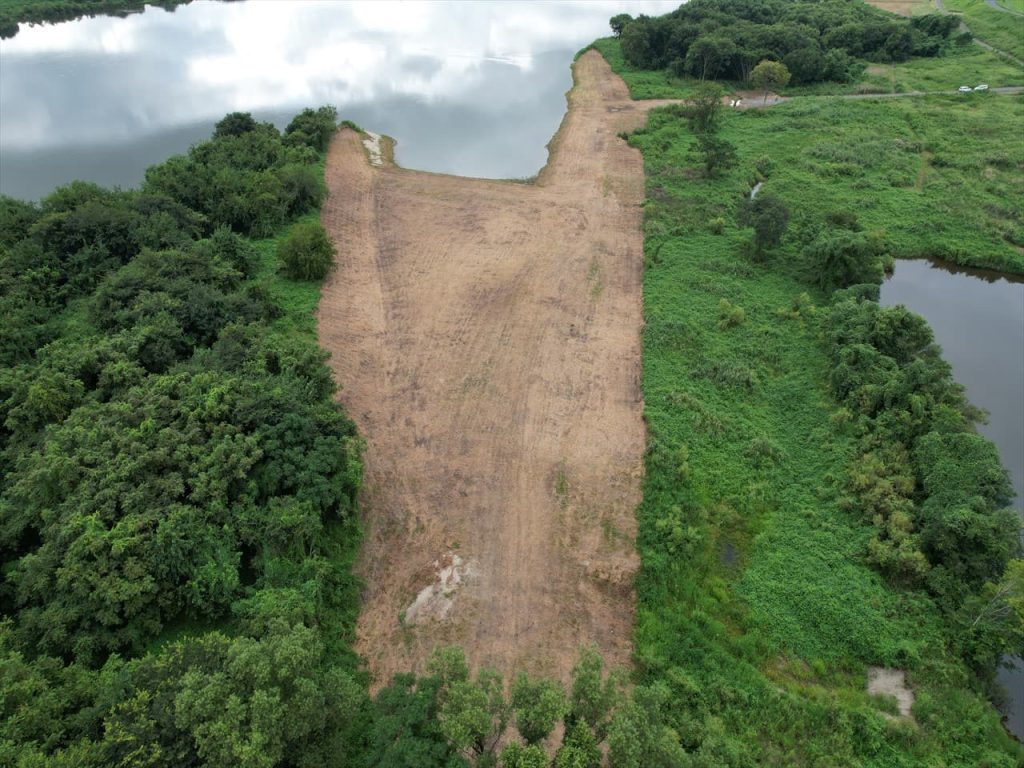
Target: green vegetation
[936,175]
[178,485]
[815,498]
[13,12]
[450,718]
[956,62]
[816,41]
[962,65]
[1001,30]
[306,253]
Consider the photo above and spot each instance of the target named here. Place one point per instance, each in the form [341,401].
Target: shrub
[845,258]
[302,187]
[729,315]
[306,252]
[717,225]
[312,128]
[768,214]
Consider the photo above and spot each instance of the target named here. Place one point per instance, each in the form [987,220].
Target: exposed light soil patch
[486,336]
[891,682]
[435,601]
[373,148]
[899,7]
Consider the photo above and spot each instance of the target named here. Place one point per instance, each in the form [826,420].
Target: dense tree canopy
[726,39]
[177,485]
[935,490]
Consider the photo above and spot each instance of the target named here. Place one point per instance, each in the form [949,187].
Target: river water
[978,320]
[468,88]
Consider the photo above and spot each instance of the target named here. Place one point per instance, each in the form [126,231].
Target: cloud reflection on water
[104,79]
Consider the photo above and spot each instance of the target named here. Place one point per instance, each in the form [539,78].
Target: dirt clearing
[486,336]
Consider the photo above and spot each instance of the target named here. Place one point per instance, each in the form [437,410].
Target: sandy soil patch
[891,682]
[486,335]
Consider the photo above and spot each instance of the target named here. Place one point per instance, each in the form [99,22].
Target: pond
[978,320]
[468,88]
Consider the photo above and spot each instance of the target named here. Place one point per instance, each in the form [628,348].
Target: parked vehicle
[965,89]
[982,87]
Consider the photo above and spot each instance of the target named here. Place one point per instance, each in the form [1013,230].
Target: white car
[965,89]
[982,87]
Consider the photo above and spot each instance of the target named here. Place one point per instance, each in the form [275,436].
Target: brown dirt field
[486,336]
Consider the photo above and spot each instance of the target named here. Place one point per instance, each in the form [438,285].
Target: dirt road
[486,336]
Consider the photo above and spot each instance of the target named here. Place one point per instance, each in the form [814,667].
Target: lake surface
[978,320]
[472,88]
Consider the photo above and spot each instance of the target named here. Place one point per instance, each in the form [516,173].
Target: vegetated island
[16,12]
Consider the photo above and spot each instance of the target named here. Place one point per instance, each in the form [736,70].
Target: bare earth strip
[486,336]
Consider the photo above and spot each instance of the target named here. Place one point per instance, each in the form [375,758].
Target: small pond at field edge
[978,320]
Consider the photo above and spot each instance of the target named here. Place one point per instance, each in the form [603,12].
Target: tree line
[816,41]
[177,484]
[15,12]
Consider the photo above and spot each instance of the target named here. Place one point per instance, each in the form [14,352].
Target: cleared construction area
[486,336]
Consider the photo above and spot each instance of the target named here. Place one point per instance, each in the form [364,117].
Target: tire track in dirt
[486,336]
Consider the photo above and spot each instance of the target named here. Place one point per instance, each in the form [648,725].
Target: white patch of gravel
[372,144]
[435,600]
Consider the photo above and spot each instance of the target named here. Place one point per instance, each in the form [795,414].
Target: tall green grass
[756,605]
[1001,30]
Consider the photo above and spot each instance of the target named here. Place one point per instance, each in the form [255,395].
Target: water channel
[467,88]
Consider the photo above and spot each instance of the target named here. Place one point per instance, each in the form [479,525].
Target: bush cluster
[306,252]
[726,39]
[177,484]
[933,488]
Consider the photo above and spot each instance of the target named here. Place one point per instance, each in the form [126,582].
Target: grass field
[940,175]
[966,65]
[755,602]
[1000,30]
[1013,5]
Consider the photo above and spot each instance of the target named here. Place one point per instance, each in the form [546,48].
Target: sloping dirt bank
[486,336]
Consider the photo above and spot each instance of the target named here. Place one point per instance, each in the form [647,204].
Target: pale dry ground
[486,337]
[899,7]
[904,7]
[892,682]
